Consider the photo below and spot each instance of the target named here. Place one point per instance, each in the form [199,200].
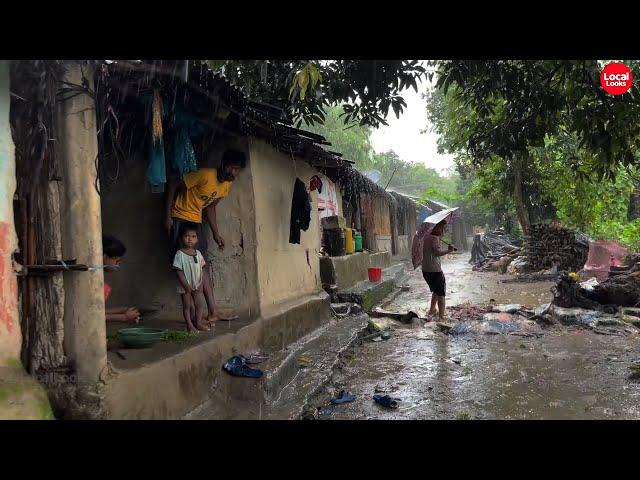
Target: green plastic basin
[140,337]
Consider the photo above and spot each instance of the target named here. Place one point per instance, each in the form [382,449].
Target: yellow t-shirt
[203,188]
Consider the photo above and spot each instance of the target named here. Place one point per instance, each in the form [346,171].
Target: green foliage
[406,177]
[581,198]
[353,142]
[519,103]
[554,115]
[367,89]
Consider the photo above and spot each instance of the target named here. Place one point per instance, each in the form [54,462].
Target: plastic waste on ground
[589,284]
[510,308]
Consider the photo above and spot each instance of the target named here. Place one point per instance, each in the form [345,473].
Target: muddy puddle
[564,373]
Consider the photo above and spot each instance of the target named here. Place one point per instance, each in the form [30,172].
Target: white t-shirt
[191,266]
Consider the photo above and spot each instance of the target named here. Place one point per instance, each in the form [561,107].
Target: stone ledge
[170,387]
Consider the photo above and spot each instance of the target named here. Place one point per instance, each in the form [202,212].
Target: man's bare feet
[192,329]
[204,327]
[215,317]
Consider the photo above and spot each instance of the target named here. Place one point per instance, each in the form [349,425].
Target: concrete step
[369,294]
[285,387]
[288,386]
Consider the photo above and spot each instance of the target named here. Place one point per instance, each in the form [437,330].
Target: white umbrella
[425,229]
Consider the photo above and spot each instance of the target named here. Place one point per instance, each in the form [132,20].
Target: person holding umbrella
[432,270]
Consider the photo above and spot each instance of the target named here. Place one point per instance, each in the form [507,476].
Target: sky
[403,135]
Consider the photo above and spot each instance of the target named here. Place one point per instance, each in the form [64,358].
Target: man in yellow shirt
[196,192]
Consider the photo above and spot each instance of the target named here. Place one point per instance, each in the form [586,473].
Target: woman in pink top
[113,250]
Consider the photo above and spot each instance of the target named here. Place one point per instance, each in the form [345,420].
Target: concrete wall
[136,216]
[345,271]
[402,246]
[383,243]
[285,271]
[10,337]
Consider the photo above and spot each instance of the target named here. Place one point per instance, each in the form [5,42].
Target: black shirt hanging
[300,211]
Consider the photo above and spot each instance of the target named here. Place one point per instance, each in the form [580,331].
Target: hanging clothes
[315,183]
[300,211]
[328,199]
[156,171]
[187,126]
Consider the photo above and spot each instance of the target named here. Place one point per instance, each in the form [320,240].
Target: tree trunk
[634,202]
[521,208]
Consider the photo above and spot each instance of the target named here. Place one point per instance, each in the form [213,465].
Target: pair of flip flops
[386,401]
[343,397]
[237,366]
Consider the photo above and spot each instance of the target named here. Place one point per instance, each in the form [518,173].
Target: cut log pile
[548,245]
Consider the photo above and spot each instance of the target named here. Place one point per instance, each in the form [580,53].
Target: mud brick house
[76,140]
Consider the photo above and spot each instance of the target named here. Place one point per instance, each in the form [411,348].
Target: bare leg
[441,307]
[199,312]
[187,310]
[208,294]
[434,301]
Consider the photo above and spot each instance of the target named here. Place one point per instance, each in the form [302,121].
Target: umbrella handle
[454,248]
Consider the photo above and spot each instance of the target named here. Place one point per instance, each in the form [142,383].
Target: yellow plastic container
[349,244]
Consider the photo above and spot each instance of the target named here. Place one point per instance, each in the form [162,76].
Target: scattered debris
[255,357]
[511,308]
[385,388]
[304,362]
[468,311]
[405,317]
[343,397]
[518,265]
[589,284]
[386,401]
[490,248]
[444,326]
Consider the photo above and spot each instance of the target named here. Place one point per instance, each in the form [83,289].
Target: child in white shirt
[188,263]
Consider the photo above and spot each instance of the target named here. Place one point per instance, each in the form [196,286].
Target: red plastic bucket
[375,274]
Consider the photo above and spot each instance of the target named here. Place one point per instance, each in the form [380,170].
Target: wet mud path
[566,373]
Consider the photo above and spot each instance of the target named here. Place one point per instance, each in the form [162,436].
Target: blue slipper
[386,401]
[238,367]
[343,397]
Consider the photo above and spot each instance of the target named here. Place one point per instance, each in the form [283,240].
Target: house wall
[136,216]
[285,271]
[403,224]
[382,224]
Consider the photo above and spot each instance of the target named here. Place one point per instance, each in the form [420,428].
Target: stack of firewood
[549,245]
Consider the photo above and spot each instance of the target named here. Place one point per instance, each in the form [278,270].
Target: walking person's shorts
[436,282]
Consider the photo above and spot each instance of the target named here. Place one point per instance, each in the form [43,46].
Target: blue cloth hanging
[187,126]
[156,172]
